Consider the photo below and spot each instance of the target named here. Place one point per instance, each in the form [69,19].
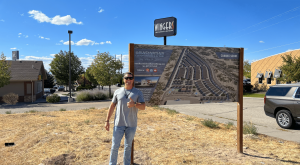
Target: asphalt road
[253,111]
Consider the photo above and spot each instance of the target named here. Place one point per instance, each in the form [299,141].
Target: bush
[53,98]
[85,87]
[229,125]
[249,128]
[210,123]
[11,98]
[91,95]
[62,109]
[84,96]
[247,87]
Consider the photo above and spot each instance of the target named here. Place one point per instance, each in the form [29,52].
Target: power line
[274,47]
[294,9]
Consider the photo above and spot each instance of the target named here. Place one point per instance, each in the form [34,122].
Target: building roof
[26,70]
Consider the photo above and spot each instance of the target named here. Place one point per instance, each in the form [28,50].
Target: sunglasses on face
[130,78]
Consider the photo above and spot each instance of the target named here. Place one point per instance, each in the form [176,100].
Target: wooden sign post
[240,104]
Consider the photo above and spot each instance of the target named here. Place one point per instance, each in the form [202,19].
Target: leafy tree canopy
[89,76]
[60,67]
[4,71]
[290,68]
[49,83]
[247,69]
[105,70]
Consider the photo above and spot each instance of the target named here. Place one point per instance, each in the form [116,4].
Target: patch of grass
[171,112]
[229,125]
[258,95]
[249,128]
[210,123]
[62,109]
[92,107]
[87,121]
[8,112]
[189,118]
[31,111]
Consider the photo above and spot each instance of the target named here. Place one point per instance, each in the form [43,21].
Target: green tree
[247,69]
[105,68]
[4,71]
[89,76]
[49,83]
[290,68]
[81,81]
[60,67]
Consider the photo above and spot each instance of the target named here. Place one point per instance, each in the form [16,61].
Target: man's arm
[110,111]
[140,106]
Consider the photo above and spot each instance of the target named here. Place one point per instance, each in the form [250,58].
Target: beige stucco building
[264,72]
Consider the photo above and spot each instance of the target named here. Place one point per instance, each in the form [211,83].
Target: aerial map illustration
[186,74]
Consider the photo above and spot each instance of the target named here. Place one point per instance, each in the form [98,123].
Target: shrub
[171,112]
[210,123]
[8,112]
[53,98]
[249,128]
[229,125]
[98,95]
[84,96]
[11,98]
[62,109]
[85,87]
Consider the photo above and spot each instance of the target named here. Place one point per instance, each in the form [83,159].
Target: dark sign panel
[186,74]
[165,27]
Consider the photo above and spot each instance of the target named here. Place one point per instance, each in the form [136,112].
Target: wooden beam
[240,104]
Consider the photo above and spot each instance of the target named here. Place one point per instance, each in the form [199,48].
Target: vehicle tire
[284,119]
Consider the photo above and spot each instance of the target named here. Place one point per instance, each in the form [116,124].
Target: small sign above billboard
[165,27]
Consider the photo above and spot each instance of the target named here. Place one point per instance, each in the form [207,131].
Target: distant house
[27,80]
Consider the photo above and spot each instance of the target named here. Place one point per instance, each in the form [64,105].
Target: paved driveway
[253,110]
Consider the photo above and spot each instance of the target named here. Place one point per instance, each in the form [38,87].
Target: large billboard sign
[165,27]
[186,74]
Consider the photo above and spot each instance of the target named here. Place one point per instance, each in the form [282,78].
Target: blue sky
[39,28]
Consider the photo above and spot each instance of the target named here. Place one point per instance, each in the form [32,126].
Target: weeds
[189,118]
[87,121]
[210,123]
[62,109]
[8,112]
[92,107]
[171,112]
[229,125]
[249,128]
[31,111]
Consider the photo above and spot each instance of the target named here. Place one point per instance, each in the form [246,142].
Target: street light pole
[70,32]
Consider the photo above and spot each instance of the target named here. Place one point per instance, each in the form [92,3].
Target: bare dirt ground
[79,138]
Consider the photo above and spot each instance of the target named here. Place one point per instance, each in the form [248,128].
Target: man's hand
[130,104]
[107,126]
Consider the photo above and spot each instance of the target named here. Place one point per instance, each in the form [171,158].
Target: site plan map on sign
[186,74]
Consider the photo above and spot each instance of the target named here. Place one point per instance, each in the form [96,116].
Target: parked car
[118,85]
[282,102]
[47,90]
[61,88]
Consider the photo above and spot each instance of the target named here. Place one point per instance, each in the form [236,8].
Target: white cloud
[52,55]
[101,10]
[101,43]
[96,43]
[41,37]
[61,41]
[57,20]
[26,36]
[246,49]
[67,43]
[58,44]
[47,38]
[13,48]
[108,42]
[261,42]
[86,61]
[20,34]
[22,14]
[85,42]
[2,20]
[46,60]
[27,44]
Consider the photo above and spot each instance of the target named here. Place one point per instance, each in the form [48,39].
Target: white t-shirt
[126,116]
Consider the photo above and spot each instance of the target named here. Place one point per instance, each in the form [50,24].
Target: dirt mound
[140,158]
[63,159]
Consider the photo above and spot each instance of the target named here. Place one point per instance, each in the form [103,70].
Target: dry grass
[165,138]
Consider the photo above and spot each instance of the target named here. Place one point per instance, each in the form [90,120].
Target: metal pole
[70,32]
[165,40]
[121,68]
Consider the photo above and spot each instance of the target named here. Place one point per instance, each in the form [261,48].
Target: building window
[268,80]
[260,80]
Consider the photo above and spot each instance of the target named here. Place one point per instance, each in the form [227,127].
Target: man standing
[128,100]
